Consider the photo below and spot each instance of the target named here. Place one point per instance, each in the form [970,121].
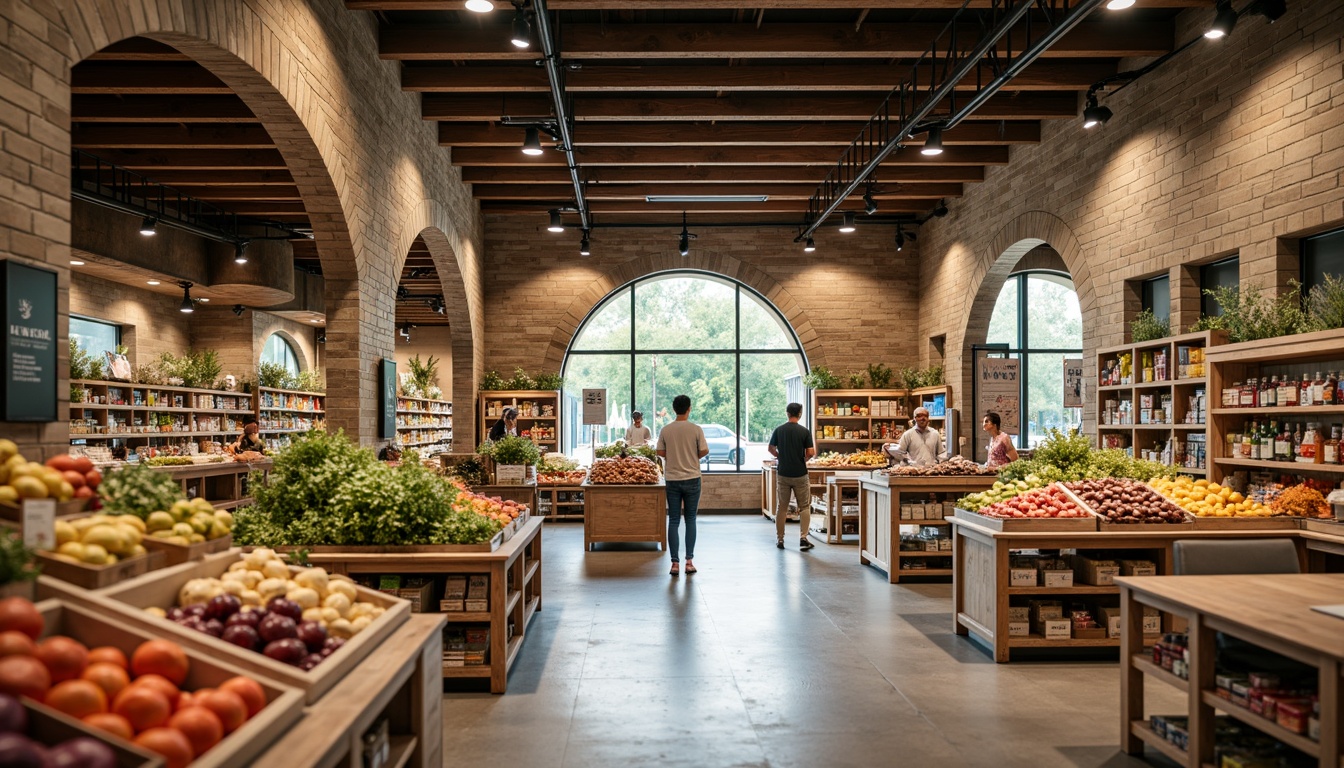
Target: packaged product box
[930,545]
[478,586]
[1046,609]
[1313,727]
[1089,633]
[1053,629]
[1019,613]
[420,593]
[1056,579]
[1019,628]
[452,606]
[1098,573]
[477,605]
[1241,759]
[390,584]
[1223,681]
[944,545]
[1293,714]
[1264,680]
[1021,577]
[1108,616]
[1138,568]
[917,511]
[906,512]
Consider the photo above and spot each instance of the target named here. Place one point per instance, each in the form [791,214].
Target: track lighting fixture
[405,331]
[847,225]
[1224,21]
[684,244]
[532,142]
[436,305]
[149,226]
[240,252]
[238,310]
[403,293]
[187,304]
[321,337]
[809,245]
[480,6]
[522,30]
[419,273]
[869,204]
[933,145]
[1119,5]
[556,224]
[902,237]
[1095,114]
[941,210]
[585,247]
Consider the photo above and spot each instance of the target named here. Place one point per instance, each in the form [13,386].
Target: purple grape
[313,635]
[289,650]
[249,616]
[277,627]
[222,606]
[195,609]
[242,636]
[214,627]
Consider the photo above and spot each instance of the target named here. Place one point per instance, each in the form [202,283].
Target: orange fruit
[112,723]
[109,654]
[65,658]
[184,701]
[110,677]
[77,698]
[227,705]
[249,690]
[24,676]
[14,642]
[171,743]
[201,727]
[161,657]
[143,706]
[160,684]
[19,614]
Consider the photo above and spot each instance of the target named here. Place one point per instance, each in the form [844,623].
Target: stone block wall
[150,322]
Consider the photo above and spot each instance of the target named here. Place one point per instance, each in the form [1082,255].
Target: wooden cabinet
[283,413]
[847,420]
[625,513]
[836,511]
[119,415]
[887,502]
[424,425]
[1153,399]
[539,415]
[561,502]
[938,399]
[225,485]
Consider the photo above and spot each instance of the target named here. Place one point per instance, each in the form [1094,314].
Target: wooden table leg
[1002,653]
[1131,678]
[499,642]
[1331,702]
[1203,653]
[958,584]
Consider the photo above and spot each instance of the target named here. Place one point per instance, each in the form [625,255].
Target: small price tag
[39,523]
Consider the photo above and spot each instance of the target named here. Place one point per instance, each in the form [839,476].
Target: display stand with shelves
[836,512]
[846,420]
[538,414]
[625,513]
[560,502]
[1270,611]
[123,415]
[223,484]
[424,425]
[1160,409]
[887,502]
[938,399]
[283,413]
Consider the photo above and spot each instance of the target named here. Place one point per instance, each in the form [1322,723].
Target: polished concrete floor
[771,658]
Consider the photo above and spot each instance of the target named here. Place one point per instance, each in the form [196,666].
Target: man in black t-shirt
[791,443]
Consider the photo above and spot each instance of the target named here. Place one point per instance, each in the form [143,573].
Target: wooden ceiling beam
[626,192]
[662,5]
[214,193]
[744,210]
[730,134]
[720,176]
[99,136]
[711,156]
[737,106]
[1075,75]
[145,78]
[150,161]
[109,108]
[265,208]
[463,42]
[220,178]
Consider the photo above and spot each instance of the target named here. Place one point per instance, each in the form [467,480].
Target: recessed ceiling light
[480,6]
[706,198]
[76,263]
[1119,5]
[314,321]
[152,282]
[203,300]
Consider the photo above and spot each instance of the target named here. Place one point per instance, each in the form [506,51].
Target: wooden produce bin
[100,576]
[128,600]
[625,513]
[563,502]
[880,499]
[523,494]
[93,626]
[50,727]
[176,554]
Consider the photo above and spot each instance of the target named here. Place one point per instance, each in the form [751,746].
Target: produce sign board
[14,512]
[999,390]
[1030,524]
[28,384]
[50,726]
[127,602]
[178,554]
[99,576]
[93,627]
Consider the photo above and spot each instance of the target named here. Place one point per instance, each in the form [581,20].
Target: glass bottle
[1267,434]
[1246,398]
[1268,392]
[1318,389]
[1331,392]
[1308,453]
[1332,445]
[1253,441]
[1245,449]
[1304,391]
[1283,444]
[1297,443]
[1287,392]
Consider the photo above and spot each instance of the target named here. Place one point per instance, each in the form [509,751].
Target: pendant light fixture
[869,204]
[149,226]
[809,245]
[240,252]
[933,145]
[585,247]
[480,6]
[187,305]
[532,142]
[556,224]
[1119,5]
[1095,114]
[1224,21]
[684,244]
[522,30]
[847,225]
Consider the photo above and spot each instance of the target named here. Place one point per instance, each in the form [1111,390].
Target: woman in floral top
[1001,450]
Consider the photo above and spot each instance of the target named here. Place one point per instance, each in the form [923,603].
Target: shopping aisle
[769,658]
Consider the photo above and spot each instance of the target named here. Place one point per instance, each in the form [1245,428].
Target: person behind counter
[250,440]
[919,446]
[507,425]
[1001,450]
[637,434]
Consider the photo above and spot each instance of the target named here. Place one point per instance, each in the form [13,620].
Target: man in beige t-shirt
[682,444]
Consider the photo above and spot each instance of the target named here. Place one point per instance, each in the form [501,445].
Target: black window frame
[1208,305]
[1148,296]
[1312,272]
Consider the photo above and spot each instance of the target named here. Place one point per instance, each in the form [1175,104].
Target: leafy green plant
[879,376]
[820,377]
[491,381]
[557,462]
[76,393]
[912,377]
[933,376]
[521,380]
[1249,314]
[550,381]
[84,365]
[855,380]
[150,373]
[515,450]
[16,560]
[310,380]
[470,471]
[424,374]
[619,448]
[1146,327]
[136,489]
[1325,305]
[274,376]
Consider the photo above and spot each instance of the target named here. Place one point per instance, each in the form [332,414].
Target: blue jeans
[681,492]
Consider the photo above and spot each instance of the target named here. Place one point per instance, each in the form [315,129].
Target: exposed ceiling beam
[721,41]
[719,176]
[153,160]
[109,108]
[265,208]
[219,178]
[627,156]
[729,134]
[743,210]
[98,136]
[145,77]
[213,193]
[738,106]
[776,192]
[1076,75]
[662,5]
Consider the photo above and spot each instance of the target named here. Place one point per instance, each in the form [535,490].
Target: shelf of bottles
[425,425]
[1292,419]
[283,413]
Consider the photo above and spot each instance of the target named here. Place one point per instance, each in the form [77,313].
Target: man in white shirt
[682,444]
[637,434]
[921,446]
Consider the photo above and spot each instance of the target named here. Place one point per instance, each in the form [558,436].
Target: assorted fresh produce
[867,459]
[631,470]
[511,450]
[469,472]
[1126,501]
[1301,501]
[1001,491]
[99,539]
[139,698]
[1050,501]
[189,522]
[62,478]
[1068,456]
[619,448]
[557,462]
[502,511]
[570,477]
[136,489]
[953,466]
[19,751]
[1206,499]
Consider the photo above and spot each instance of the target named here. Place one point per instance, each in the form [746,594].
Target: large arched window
[1038,317]
[689,333]
[278,351]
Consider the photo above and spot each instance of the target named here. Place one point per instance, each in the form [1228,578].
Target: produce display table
[880,499]
[564,503]
[523,494]
[625,513]
[1270,611]
[220,483]
[514,592]
[981,590]
[401,681]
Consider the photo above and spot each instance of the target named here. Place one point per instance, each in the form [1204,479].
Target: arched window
[1038,317]
[278,351]
[690,333]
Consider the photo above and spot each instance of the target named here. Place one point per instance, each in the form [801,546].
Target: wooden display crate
[99,576]
[178,554]
[51,727]
[1244,523]
[402,549]
[14,512]
[1033,524]
[129,599]
[94,627]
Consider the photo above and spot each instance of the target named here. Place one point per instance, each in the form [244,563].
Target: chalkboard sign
[28,387]
[387,400]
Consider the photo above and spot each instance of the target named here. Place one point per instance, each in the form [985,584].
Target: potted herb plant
[515,460]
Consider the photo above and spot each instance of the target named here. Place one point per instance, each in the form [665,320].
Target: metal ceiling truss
[564,121]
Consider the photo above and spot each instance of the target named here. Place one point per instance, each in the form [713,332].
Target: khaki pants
[801,489]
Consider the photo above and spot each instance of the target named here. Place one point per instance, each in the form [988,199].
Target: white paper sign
[595,406]
[1073,382]
[999,390]
[39,523]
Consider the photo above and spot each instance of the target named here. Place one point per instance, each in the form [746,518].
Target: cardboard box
[452,606]
[455,588]
[1090,633]
[1098,573]
[1138,568]
[420,593]
[906,512]
[1021,577]
[944,545]
[1019,628]
[1053,629]
[917,511]
[478,586]
[1109,617]
[1019,613]
[1046,609]
[478,605]
[1056,579]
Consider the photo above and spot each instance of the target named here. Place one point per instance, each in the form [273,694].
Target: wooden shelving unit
[539,414]
[425,425]
[560,502]
[1163,404]
[856,418]
[932,396]
[837,505]
[122,415]
[282,413]
[881,498]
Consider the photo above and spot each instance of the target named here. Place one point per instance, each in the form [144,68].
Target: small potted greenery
[17,568]
[515,460]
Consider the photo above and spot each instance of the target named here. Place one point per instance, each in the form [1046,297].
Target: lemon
[159,521]
[65,532]
[8,448]
[73,549]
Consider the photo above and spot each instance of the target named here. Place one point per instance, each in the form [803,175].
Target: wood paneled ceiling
[715,97]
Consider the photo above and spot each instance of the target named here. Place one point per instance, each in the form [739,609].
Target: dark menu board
[29,383]
[387,402]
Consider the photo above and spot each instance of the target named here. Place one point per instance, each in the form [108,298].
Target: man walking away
[791,443]
[682,444]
